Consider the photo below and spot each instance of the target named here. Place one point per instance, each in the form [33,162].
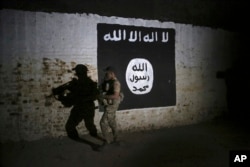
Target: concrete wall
[38,51]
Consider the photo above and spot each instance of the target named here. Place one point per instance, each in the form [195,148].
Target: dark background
[225,14]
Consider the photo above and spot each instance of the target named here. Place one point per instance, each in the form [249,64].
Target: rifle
[63,94]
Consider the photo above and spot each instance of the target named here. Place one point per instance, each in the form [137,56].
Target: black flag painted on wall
[144,59]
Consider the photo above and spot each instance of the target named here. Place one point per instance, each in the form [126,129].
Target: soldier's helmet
[80,69]
[110,68]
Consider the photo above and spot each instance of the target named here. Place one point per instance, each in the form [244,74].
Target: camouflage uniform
[108,119]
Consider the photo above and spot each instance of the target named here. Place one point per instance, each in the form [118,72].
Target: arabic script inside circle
[139,76]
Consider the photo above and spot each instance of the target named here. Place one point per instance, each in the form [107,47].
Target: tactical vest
[108,87]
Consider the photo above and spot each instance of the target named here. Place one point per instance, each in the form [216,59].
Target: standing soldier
[111,89]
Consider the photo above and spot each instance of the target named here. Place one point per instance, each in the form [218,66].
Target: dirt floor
[202,145]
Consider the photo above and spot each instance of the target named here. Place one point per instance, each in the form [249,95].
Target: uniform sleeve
[117,86]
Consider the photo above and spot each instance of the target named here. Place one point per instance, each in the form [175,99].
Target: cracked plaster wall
[38,51]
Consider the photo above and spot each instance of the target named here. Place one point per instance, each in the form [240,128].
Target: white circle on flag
[139,76]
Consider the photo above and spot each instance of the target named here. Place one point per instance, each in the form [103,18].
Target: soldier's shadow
[93,145]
